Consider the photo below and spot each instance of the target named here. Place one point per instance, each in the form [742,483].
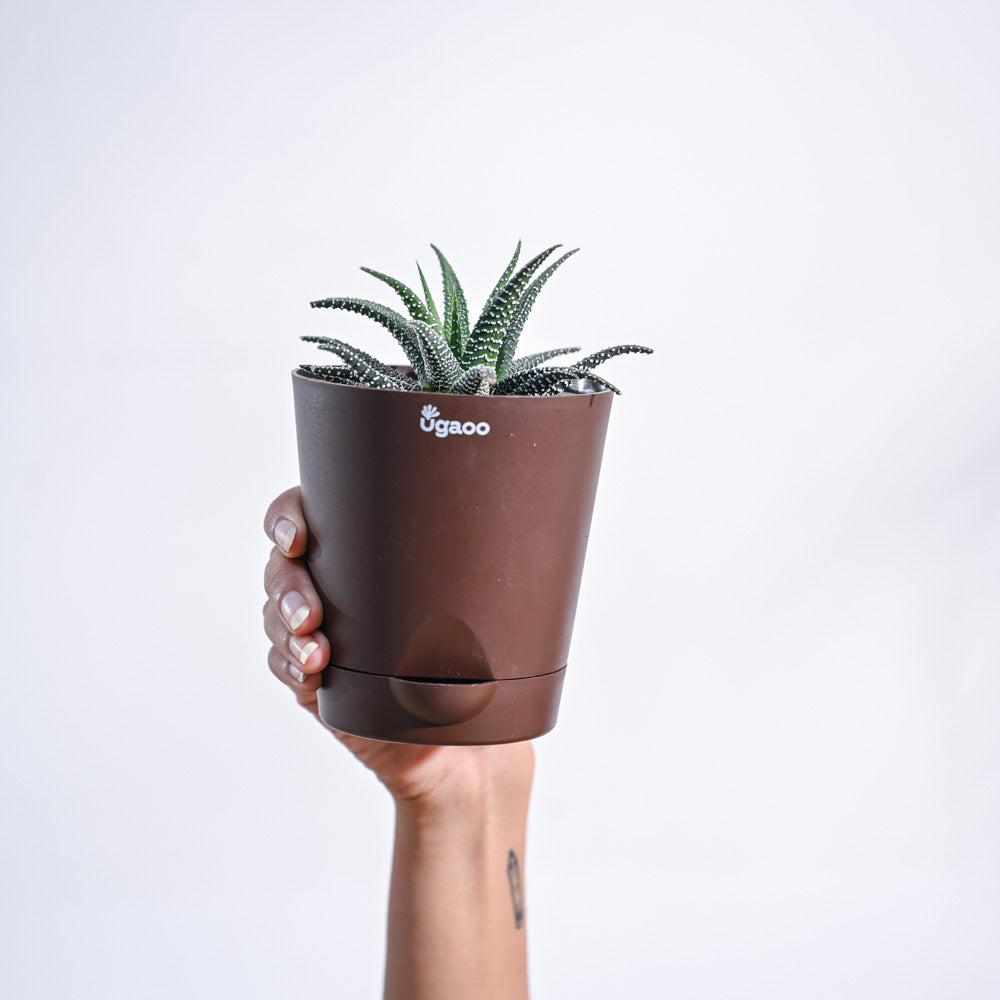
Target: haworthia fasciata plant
[445,355]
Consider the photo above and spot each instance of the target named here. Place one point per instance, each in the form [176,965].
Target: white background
[775,773]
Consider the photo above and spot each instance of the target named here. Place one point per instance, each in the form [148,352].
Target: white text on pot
[431,420]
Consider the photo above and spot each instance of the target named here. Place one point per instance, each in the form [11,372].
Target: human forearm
[456,909]
[456,926]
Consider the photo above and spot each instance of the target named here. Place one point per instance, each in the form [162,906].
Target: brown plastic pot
[447,536]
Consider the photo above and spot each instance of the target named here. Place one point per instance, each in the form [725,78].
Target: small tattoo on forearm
[516,893]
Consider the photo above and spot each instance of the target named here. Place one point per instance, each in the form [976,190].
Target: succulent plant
[446,355]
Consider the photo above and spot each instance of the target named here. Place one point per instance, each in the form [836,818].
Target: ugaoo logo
[431,420]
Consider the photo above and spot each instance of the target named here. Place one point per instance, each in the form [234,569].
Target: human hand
[441,778]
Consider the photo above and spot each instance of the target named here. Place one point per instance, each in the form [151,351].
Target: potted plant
[449,504]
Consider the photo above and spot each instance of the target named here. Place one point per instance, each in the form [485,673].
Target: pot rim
[421,393]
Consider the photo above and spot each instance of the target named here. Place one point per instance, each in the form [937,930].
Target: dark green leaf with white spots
[476,381]
[340,374]
[504,278]
[536,382]
[435,319]
[440,366]
[520,315]
[369,370]
[593,360]
[530,361]
[486,338]
[397,324]
[599,379]
[455,318]
[546,382]
[411,300]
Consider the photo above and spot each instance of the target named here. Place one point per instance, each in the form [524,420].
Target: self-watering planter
[447,535]
[448,505]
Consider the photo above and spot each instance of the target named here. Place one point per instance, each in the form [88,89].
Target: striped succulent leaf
[545,382]
[394,322]
[599,357]
[344,375]
[411,300]
[440,366]
[536,382]
[520,316]
[599,379]
[530,361]
[504,278]
[486,338]
[340,374]
[455,318]
[476,381]
[369,371]
[435,319]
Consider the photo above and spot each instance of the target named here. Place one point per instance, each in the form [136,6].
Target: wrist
[482,786]
[456,910]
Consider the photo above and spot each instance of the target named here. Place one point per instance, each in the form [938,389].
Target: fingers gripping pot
[447,536]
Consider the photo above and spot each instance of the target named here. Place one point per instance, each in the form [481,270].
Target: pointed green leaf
[340,374]
[455,318]
[504,278]
[530,361]
[520,316]
[369,370]
[599,379]
[435,320]
[536,382]
[394,322]
[410,298]
[447,304]
[546,382]
[476,381]
[485,341]
[440,366]
[593,360]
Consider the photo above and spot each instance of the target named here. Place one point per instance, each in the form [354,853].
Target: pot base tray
[439,713]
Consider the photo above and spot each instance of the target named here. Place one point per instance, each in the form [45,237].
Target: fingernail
[294,608]
[284,533]
[303,649]
[296,673]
